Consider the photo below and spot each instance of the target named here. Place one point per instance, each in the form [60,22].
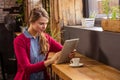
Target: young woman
[32,48]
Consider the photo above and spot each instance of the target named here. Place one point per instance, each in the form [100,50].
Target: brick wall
[5,6]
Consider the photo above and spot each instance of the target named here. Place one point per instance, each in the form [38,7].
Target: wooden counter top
[88,28]
[92,70]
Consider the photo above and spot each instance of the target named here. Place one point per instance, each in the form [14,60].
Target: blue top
[35,55]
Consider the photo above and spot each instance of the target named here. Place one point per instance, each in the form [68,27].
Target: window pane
[96,6]
[112,3]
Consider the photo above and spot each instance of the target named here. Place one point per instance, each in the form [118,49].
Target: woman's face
[40,25]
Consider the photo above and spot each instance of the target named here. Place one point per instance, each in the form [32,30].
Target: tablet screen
[68,47]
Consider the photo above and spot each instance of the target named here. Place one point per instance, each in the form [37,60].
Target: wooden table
[92,70]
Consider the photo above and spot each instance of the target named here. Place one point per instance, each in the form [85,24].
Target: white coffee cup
[75,61]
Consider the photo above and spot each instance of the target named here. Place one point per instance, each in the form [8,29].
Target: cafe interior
[96,23]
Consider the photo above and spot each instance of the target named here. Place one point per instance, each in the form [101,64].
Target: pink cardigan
[22,52]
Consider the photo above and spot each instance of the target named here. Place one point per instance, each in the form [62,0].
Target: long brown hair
[35,14]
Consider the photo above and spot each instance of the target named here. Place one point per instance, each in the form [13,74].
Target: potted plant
[111,23]
[89,22]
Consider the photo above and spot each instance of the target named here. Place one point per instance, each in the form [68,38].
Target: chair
[7,56]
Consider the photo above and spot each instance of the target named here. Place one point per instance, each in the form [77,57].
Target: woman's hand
[72,54]
[52,59]
[55,56]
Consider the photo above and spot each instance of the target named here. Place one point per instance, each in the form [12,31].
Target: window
[96,6]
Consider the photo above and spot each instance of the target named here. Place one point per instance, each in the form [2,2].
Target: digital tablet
[68,47]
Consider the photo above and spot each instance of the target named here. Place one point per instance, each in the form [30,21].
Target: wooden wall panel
[54,20]
[71,12]
[64,12]
[78,11]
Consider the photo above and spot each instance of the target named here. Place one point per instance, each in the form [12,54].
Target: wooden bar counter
[91,70]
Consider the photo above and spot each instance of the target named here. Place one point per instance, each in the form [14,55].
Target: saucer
[80,64]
